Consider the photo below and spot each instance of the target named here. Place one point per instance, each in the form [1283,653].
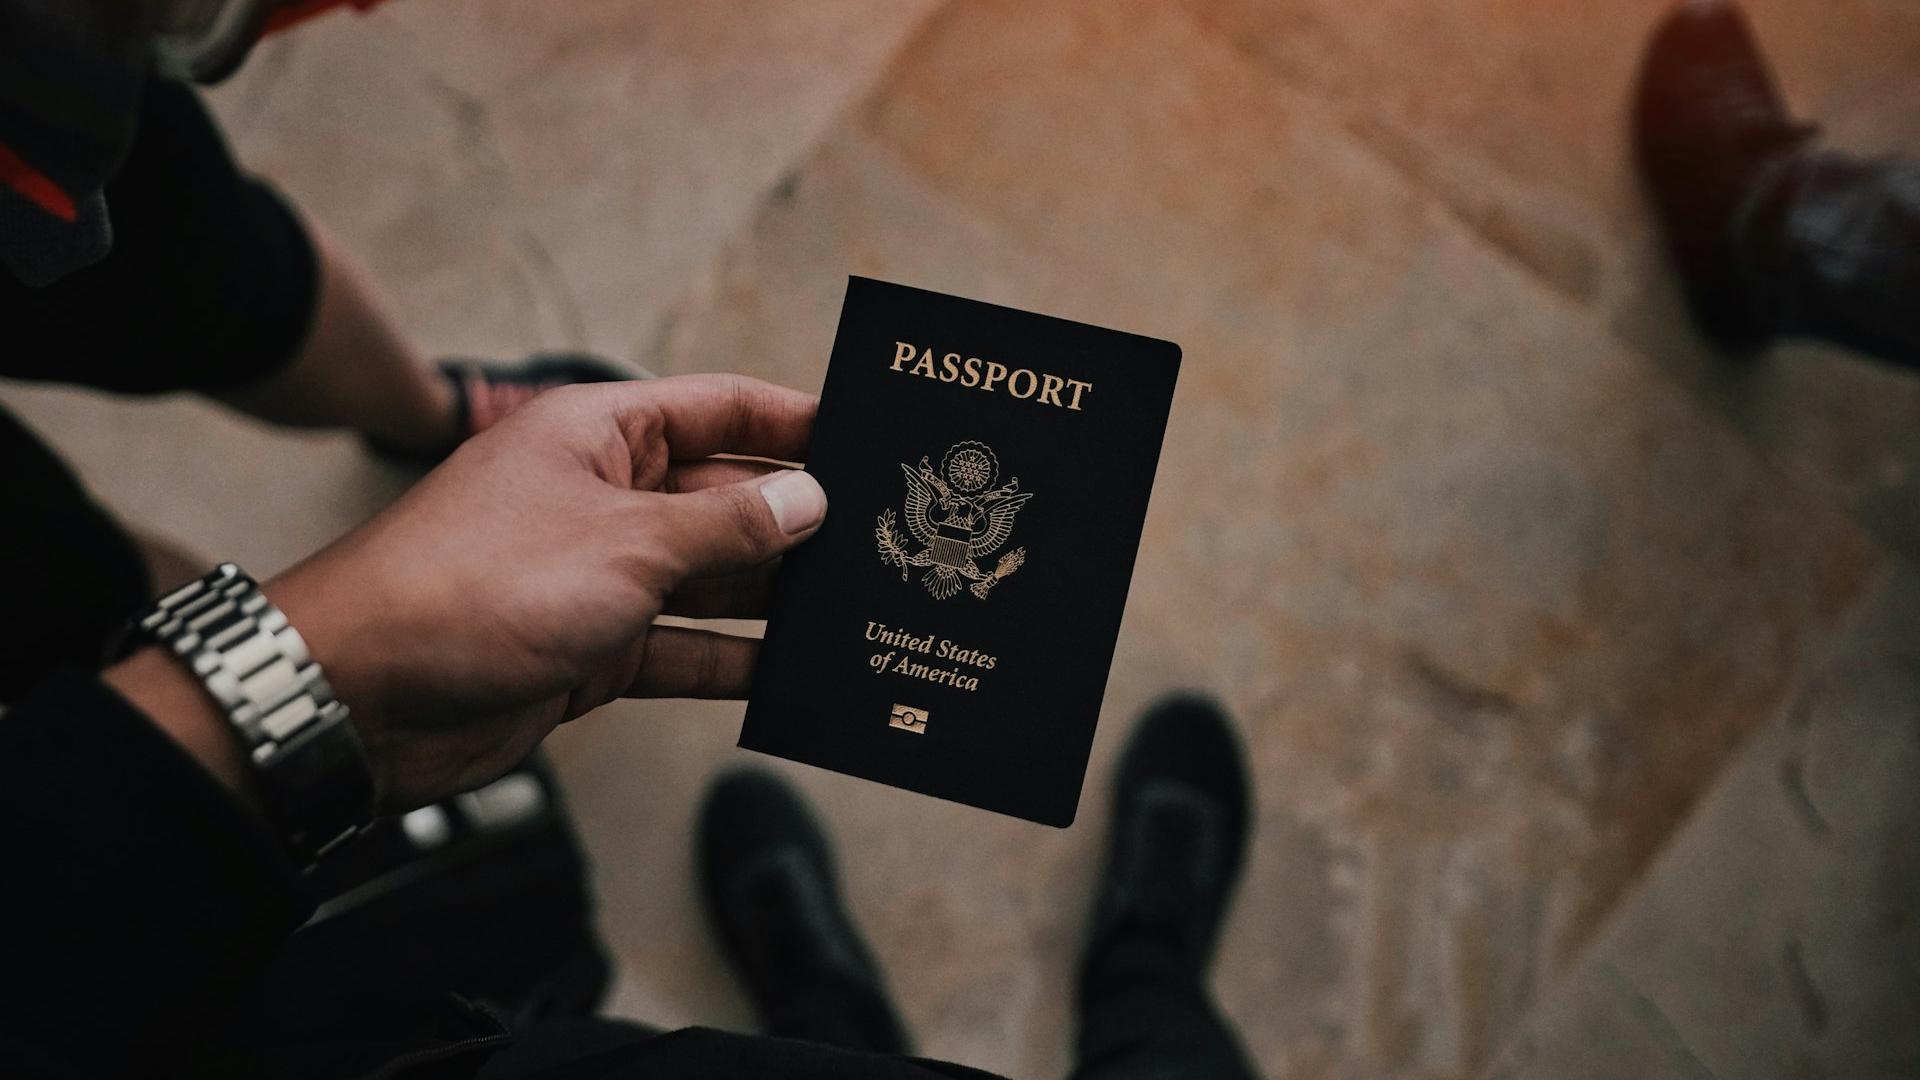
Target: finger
[704,415]
[630,432]
[684,476]
[734,527]
[688,663]
[732,414]
[745,595]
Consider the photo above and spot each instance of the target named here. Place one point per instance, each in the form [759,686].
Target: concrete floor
[1574,661]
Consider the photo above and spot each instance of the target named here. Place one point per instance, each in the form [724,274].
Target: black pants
[1829,246]
[1141,1019]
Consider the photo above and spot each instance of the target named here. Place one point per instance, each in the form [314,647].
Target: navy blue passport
[950,628]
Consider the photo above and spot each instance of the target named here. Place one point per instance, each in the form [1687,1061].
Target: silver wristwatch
[310,767]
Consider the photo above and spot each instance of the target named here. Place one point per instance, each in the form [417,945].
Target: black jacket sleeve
[140,898]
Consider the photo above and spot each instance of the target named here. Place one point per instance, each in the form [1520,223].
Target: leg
[353,370]
[215,285]
[356,370]
[767,876]
[1831,245]
[1144,1015]
[1770,237]
[1179,838]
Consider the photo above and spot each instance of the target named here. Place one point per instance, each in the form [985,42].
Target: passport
[950,628]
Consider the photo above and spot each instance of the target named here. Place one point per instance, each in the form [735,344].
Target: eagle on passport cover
[950,627]
[957,520]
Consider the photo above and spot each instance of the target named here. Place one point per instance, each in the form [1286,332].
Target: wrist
[335,634]
[300,760]
[311,609]
[167,693]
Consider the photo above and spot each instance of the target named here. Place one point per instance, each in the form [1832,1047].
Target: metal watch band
[311,769]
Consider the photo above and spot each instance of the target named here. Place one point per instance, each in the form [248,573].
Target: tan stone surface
[1776,937]
[1496,567]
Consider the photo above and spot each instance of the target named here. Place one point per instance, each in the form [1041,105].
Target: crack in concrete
[1657,1022]
[1454,694]
[1804,991]
[1793,781]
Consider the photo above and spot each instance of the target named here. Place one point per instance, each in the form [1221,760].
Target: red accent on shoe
[490,402]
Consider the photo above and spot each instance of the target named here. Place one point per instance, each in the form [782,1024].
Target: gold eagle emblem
[959,516]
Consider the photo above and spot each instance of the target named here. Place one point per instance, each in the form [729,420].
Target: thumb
[733,527]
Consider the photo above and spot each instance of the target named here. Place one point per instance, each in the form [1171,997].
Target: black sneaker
[1706,119]
[486,392]
[767,876]
[1178,842]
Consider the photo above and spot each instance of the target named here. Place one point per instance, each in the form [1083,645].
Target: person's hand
[516,586]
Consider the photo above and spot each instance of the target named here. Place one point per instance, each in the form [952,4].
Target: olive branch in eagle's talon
[891,550]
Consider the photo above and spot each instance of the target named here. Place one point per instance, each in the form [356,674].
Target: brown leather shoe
[1707,119]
